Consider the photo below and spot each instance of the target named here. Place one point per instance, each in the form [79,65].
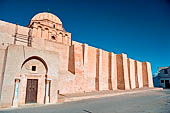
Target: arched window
[53,37]
[39,33]
[46,33]
[54,26]
[46,28]
[60,37]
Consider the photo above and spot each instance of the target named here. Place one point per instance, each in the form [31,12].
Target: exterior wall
[131,72]
[103,79]
[144,74]
[163,84]
[98,68]
[139,74]
[78,58]
[6,32]
[78,81]
[136,75]
[62,50]
[90,65]
[164,74]
[168,70]
[73,67]
[7,28]
[44,29]
[2,65]
[150,79]
[122,69]
[15,58]
[113,71]
[120,74]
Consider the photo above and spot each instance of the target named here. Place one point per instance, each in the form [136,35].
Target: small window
[165,71]
[162,81]
[33,68]
[53,25]
[53,37]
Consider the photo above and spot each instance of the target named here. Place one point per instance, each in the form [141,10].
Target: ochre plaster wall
[2,64]
[144,74]
[131,72]
[122,70]
[90,73]
[73,67]
[150,78]
[15,58]
[113,71]
[136,75]
[139,74]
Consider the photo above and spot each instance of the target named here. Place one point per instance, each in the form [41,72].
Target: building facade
[40,61]
[164,77]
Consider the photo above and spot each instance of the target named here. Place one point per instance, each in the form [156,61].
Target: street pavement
[152,101]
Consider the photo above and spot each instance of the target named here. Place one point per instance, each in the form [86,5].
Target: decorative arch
[66,34]
[37,58]
[37,82]
[61,33]
[40,27]
[46,33]
[60,37]
[46,28]
[54,32]
[39,31]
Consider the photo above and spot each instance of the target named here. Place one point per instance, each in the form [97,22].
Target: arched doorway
[34,71]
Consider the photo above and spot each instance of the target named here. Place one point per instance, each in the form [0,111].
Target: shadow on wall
[156,81]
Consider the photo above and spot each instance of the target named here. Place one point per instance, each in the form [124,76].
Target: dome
[46,15]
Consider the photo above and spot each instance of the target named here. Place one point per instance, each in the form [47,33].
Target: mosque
[40,61]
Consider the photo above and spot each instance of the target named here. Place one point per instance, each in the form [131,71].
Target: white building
[164,77]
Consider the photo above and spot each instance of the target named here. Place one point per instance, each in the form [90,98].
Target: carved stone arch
[36,58]
[43,27]
[39,31]
[46,28]
[66,34]
[46,33]
[33,81]
[65,38]
[54,32]
[39,26]
[60,37]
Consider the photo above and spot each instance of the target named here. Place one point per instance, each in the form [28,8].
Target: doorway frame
[36,91]
[167,82]
[23,85]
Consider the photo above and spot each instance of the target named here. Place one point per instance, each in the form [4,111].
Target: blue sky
[139,28]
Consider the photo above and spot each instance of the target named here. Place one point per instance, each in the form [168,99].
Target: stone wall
[16,55]
[73,67]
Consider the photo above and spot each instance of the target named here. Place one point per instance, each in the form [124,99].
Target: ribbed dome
[49,16]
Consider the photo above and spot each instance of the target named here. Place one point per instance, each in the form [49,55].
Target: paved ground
[145,102]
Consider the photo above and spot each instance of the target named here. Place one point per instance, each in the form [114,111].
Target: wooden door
[167,85]
[31,91]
